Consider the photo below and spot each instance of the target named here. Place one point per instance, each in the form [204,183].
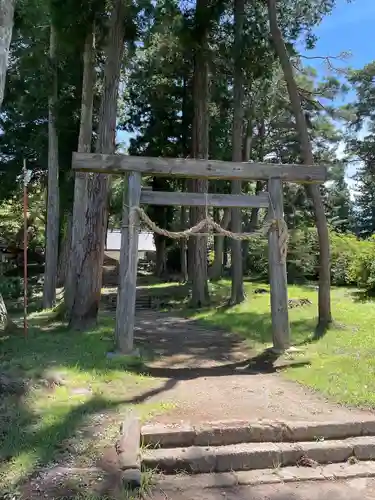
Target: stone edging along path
[250,456]
[230,453]
[245,446]
[223,433]
[330,472]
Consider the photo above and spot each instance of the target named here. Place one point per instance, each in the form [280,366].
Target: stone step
[143,301]
[236,432]
[330,472]
[250,456]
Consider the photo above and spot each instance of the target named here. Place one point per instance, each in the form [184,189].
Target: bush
[303,255]
[301,261]
[345,248]
[11,288]
[352,260]
[257,258]
[362,268]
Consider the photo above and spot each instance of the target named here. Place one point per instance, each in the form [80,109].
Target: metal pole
[25,245]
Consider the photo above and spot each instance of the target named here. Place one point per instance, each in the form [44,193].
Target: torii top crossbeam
[190,167]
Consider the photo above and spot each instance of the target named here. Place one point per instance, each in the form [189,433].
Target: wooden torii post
[134,166]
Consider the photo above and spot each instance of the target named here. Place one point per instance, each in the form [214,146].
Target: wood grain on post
[165,198]
[196,168]
[277,273]
[126,294]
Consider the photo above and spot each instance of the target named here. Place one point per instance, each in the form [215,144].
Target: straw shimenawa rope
[208,224]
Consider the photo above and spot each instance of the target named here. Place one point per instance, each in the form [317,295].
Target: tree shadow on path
[183,347]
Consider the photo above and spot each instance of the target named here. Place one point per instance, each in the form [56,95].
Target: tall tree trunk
[81,179]
[248,139]
[184,218]
[226,253]
[254,218]
[198,244]
[160,215]
[249,135]
[89,278]
[161,255]
[53,208]
[64,252]
[6,29]
[325,316]
[217,266]
[183,245]
[246,156]
[251,226]
[237,294]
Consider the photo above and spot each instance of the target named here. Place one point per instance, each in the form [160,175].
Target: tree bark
[88,288]
[161,255]
[246,156]
[218,263]
[6,29]
[251,226]
[183,242]
[7,326]
[226,253]
[160,215]
[237,293]
[248,139]
[3,313]
[198,244]
[183,245]
[81,179]
[52,228]
[325,316]
[64,253]
[254,218]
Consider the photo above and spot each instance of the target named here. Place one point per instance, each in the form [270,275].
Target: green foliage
[157,107]
[87,384]
[11,287]
[303,252]
[257,258]
[339,206]
[12,218]
[24,118]
[362,268]
[362,149]
[352,259]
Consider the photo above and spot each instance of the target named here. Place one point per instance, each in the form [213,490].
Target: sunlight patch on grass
[342,363]
[252,318]
[75,400]
[160,285]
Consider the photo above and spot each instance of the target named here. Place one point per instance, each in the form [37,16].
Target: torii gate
[134,166]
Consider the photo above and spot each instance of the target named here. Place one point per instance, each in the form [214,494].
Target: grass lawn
[342,362]
[74,401]
[75,397]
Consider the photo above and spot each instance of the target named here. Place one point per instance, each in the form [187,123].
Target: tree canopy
[156,102]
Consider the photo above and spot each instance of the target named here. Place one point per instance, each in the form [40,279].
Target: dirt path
[205,374]
[354,489]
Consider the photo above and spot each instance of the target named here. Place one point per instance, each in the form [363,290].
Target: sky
[349,28]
